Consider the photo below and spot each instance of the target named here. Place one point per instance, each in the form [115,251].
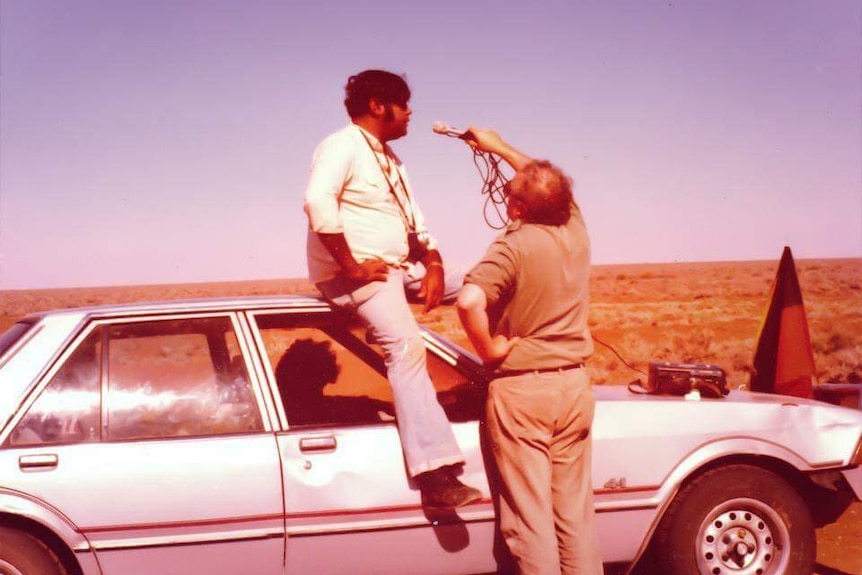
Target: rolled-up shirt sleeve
[495,273]
[330,168]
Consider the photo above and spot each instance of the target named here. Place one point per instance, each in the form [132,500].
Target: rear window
[12,335]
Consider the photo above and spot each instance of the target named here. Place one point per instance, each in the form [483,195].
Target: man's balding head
[543,194]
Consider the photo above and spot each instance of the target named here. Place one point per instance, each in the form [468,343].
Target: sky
[169,141]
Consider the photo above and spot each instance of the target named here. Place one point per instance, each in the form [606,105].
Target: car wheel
[23,554]
[737,520]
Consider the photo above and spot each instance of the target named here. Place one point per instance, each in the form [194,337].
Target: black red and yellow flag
[783,357]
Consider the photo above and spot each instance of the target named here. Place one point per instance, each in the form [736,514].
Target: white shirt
[349,192]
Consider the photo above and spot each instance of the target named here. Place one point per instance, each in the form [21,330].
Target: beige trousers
[539,432]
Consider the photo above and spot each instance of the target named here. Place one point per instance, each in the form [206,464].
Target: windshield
[12,335]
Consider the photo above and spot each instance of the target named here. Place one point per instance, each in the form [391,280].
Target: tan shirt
[536,280]
[349,192]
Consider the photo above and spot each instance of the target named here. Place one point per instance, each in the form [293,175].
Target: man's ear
[376,108]
[514,208]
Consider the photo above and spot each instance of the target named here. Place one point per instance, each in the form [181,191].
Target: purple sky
[153,141]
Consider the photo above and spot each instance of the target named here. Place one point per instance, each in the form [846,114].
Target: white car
[255,436]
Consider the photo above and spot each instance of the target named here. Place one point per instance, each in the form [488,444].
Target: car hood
[816,434]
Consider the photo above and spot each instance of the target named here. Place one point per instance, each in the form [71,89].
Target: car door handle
[313,444]
[36,462]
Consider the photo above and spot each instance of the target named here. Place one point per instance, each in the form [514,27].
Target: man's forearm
[432,258]
[490,141]
[337,246]
[515,158]
[364,271]
[471,306]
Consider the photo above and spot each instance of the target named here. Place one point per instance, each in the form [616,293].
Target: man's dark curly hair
[545,193]
[387,87]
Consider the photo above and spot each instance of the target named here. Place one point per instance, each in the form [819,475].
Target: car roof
[221,303]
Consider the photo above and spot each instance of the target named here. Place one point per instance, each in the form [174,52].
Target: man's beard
[389,118]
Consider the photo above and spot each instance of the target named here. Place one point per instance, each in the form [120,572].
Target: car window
[329,372]
[177,378]
[68,410]
[321,374]
[462,397]
[167,378]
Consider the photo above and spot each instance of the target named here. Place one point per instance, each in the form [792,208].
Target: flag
[783,358]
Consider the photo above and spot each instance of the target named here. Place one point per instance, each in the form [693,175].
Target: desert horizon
[701,312]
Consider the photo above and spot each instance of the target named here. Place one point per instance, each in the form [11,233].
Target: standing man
[365,231]
[524,307]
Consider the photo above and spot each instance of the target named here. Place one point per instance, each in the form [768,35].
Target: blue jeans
[454,278]
[427,439]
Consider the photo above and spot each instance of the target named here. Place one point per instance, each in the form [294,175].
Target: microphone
[445,129]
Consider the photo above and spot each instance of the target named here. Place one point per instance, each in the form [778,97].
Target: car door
[149,439]
[350,507]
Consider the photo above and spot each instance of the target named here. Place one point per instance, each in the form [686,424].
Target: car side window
[177,378]
[325,374]
[68,410]
[462,397]
[166,378]
[329,372]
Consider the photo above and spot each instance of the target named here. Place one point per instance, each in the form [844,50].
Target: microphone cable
[493,187]
[493,180]
[627,364]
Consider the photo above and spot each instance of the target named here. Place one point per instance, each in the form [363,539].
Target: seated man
[365,229]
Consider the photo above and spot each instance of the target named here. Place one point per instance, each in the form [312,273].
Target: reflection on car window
[329,373]
[304,372]
[322,376]
[177,378]
[168,378]
[461,397]
[69,407]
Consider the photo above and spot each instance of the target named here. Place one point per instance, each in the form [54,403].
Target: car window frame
[446,352]
[242,334]
[245,350]
[14,338]
[315,318]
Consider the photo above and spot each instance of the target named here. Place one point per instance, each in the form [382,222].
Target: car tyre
[737,520]
[23,554]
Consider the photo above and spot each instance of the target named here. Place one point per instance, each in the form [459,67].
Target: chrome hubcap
[742,537]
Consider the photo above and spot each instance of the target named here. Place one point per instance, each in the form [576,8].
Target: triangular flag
[783,358]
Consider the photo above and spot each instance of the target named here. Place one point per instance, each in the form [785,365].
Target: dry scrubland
[711,313]
[689,312]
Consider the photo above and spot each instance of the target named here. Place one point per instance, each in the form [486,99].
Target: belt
[513,372]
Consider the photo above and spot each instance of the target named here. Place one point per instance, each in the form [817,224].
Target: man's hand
[368,271]
[433,285]
[365,271]
[499,349]
[490,141]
